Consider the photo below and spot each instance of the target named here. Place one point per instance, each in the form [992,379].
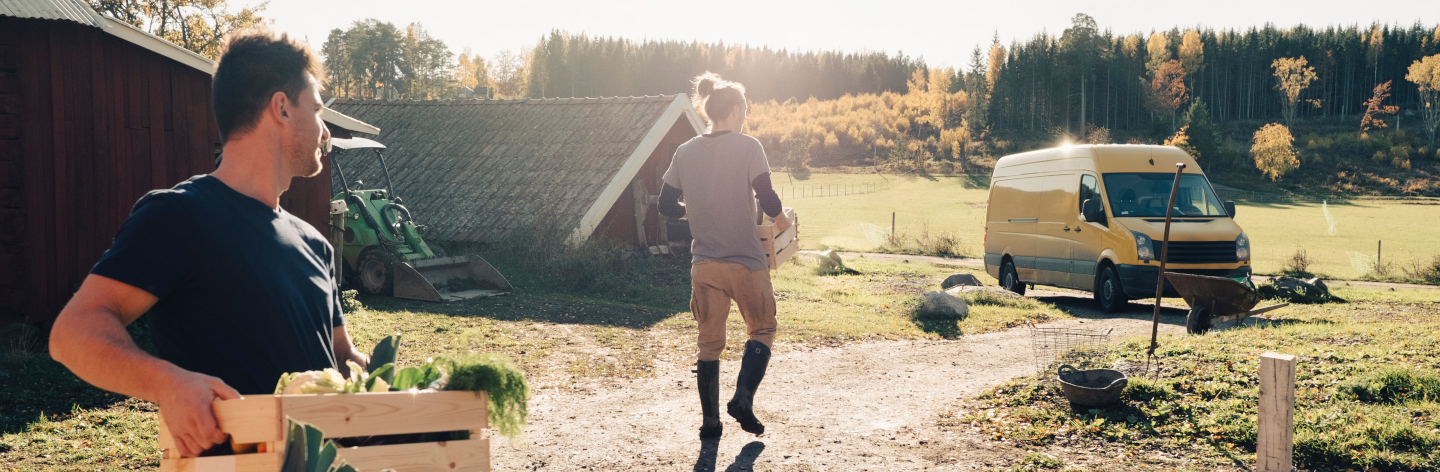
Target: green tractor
[382,248]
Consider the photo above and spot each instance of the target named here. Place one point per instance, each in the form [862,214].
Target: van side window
[1088,189]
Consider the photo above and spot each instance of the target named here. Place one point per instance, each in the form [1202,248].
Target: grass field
[1367,394]
[955,204]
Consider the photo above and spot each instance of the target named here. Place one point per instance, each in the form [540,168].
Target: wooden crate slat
[468,455]
[267,462]
[342,416]
[251,419]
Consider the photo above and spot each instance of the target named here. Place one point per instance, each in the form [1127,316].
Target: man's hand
[781,223]
[186,406]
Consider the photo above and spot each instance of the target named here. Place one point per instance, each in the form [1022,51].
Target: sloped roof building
[473,170]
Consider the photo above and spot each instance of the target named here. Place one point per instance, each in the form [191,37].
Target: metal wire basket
[1081,348]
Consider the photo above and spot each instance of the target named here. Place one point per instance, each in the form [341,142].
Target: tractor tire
[374,272]
[1010,279]
[1108,291]
[1198,321]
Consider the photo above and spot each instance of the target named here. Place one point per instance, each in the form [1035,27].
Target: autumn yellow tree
[197,25]
[1192,53]
[1158,48]
[1425,73]
[1274,151]
[1374,108]
[471,71]
[1292,76]
[1167,90]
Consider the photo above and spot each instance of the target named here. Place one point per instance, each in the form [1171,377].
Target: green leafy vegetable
[502,380]
[383,354]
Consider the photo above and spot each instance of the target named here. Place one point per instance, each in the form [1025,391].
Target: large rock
[960,279]
[987,289]
[943,305]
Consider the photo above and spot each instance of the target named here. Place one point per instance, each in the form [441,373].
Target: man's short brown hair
[254,65]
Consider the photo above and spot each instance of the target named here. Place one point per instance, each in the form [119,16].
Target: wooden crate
[780,246]
[258,423]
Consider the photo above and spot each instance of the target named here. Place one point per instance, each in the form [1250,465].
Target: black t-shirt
[245,291]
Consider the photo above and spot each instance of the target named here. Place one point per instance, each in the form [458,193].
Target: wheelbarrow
[1215,300]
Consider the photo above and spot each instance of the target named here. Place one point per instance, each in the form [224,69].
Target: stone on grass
[960,279]
[942,305]
[986,289]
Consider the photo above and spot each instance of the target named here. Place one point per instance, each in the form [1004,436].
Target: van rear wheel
[1010,280]
[1108,291]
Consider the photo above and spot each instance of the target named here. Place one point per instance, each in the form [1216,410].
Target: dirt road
[864,406]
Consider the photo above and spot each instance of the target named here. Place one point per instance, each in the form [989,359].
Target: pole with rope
[1160,278]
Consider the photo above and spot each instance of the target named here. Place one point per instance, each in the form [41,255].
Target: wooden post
[1276,438]
[637,190]
[1378,244]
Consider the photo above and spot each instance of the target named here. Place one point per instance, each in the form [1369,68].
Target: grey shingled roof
[72,10]
[474,169]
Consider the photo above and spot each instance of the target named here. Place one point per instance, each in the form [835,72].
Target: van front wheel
[1010,280]
[1108,292]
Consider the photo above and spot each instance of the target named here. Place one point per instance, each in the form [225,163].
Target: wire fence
[827,190]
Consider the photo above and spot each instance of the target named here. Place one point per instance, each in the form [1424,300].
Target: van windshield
[1145,194]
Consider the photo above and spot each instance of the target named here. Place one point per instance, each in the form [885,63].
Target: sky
[943,33]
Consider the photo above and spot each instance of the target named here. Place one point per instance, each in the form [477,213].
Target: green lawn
[956,204]
[1367,393]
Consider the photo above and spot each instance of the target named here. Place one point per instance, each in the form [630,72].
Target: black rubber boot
[752,371]
[707,377]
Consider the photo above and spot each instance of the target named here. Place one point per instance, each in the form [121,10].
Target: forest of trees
[565,65]
[1087,76]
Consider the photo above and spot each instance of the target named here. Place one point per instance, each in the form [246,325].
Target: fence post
[1275,446]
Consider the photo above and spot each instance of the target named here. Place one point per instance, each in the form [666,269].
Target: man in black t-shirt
[238,290]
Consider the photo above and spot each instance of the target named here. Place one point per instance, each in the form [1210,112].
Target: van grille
[1198,252]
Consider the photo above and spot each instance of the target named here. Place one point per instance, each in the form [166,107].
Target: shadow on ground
[536,307]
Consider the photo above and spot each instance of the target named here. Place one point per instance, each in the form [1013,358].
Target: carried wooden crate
[780,246]
[257,424]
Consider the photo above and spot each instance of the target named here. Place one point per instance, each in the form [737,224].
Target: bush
[1423,272]
[348,302]
[943,243]
[1299,264]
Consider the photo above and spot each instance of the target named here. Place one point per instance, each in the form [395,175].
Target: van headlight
[1143,247]
[1242,247]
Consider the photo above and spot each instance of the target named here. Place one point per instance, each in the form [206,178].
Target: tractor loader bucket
[448,279]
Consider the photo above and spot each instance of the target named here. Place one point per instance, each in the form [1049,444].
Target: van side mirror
[1093,212]
[1229,208]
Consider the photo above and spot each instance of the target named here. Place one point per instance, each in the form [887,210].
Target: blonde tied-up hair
[715,97]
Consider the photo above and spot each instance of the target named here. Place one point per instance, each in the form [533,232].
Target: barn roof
[475,169]
[71,10]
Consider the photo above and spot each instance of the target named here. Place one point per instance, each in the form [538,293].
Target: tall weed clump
[925,242]
[540,257]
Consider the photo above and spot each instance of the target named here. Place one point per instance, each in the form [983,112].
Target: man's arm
[89,338]
[345,350]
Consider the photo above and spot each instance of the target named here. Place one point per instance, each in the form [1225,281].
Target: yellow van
[1092,217]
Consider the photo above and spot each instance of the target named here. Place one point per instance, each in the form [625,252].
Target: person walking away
[238,290]
[722,175]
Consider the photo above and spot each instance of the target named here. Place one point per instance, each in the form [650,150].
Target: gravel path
[863,406]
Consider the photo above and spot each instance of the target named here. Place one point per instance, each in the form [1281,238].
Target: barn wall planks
[88,124]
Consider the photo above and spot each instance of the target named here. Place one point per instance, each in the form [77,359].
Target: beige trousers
[713,285]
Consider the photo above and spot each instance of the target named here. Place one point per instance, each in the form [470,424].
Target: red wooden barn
[93,114]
